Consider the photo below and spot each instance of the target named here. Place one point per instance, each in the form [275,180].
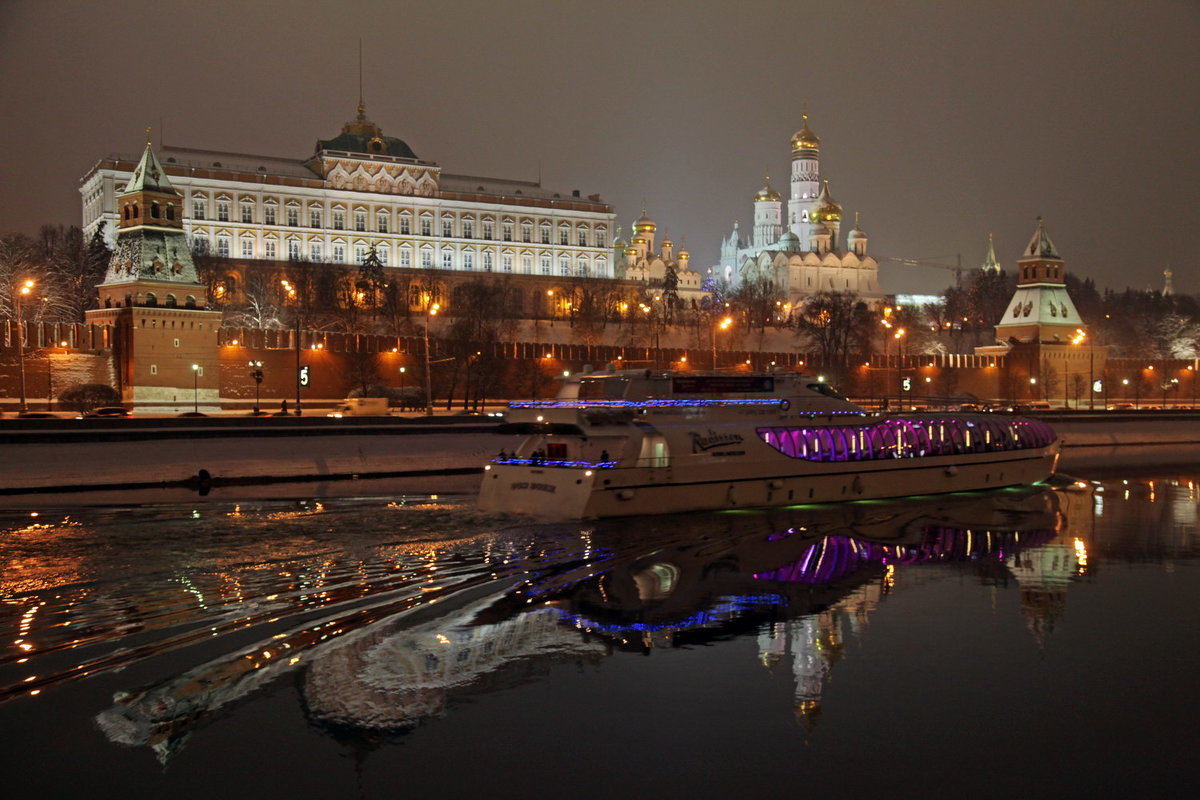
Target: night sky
[939,121]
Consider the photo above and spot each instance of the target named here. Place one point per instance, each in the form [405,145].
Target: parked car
[36,415]
[1120,407]
[107,411]
[192,414]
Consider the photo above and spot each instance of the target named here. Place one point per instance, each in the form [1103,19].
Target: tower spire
[362,109]
[990,264]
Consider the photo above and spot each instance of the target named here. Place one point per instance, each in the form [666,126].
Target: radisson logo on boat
[701,444]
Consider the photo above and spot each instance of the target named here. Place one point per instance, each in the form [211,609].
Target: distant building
[642,259]
[363,190]
[164,342]
[1041,333]
[802,254]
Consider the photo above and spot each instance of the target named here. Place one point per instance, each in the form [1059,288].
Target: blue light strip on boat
[555,462]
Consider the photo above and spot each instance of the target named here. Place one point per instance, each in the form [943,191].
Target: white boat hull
[554,492]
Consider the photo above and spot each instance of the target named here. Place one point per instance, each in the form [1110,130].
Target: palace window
[468,229]
[198,208]
[468,260]
[506,262]
[564,265]
[269,249]
[563,235]
[545,228]
[247,247]
[223,246]
[339,219]
[527,264]
[360,253]
[314,252]
[405,257]
[339,253]
[507,229]
[405,224]
[360,220]
[269,215]
[293,216]
[426,258]
[248,213]
[488,230]
[487,262]
[583,237]
[381,222]
[426,226]
[545,265]
[293,249]
[601,236]
[382,252]
[447,228]
[314,217]
[447,259]
[223,211]
[526,232]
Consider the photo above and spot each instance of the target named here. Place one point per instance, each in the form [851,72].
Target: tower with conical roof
[1045,343]
[990,264]
[164,341]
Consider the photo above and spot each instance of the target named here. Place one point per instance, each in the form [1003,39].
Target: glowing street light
[291,293]
[431,311]
[724,325]
[196,388]
[25,290]
[257,374]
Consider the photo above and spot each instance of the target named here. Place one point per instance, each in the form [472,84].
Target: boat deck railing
[554,462]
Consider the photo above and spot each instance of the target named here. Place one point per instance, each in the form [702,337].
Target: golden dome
[805,139]
[828,210]
[767,194]
[644,224]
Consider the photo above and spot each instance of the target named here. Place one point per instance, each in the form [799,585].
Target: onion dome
[644,224]
[856,233]
[361,135]
[805,139]
[767,194]
[789,242]
[828,209]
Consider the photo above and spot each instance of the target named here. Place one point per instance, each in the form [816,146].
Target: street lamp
[50,377]
[431,311]
[257,374]
[196,388]
[899,337]
[291,293]
[25,290]
[724,325]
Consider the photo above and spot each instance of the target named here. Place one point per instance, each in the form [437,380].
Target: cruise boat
[631,442]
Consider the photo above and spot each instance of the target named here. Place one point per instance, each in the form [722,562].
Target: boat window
[556,450]
[825,389]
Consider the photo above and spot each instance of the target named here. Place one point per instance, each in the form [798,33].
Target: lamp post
[724,325]
[431,311]
[291,293]
[50,378]
[196,388]
[257,374]
[25,290]
[899,337]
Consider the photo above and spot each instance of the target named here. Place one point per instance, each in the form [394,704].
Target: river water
[1021,643]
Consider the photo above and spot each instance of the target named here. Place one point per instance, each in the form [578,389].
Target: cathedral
[642,259]
[804,255]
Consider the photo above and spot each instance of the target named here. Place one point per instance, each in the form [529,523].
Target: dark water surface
[1036,643]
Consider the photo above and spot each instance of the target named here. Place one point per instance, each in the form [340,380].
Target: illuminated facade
[642,259]
[800,252]
[164,341]
[363,190]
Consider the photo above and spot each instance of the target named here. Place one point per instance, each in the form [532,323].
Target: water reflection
[386,613]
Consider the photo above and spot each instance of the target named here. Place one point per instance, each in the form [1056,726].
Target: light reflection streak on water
[112,618]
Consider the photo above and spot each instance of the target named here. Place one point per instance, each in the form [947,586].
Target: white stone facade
[352,195]
[803,254]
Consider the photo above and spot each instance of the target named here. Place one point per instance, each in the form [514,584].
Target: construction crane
[956,267]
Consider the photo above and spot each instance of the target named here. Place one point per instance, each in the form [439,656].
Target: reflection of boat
[634,442]
[384,662]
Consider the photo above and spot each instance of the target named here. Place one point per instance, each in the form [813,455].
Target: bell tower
[164,341]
